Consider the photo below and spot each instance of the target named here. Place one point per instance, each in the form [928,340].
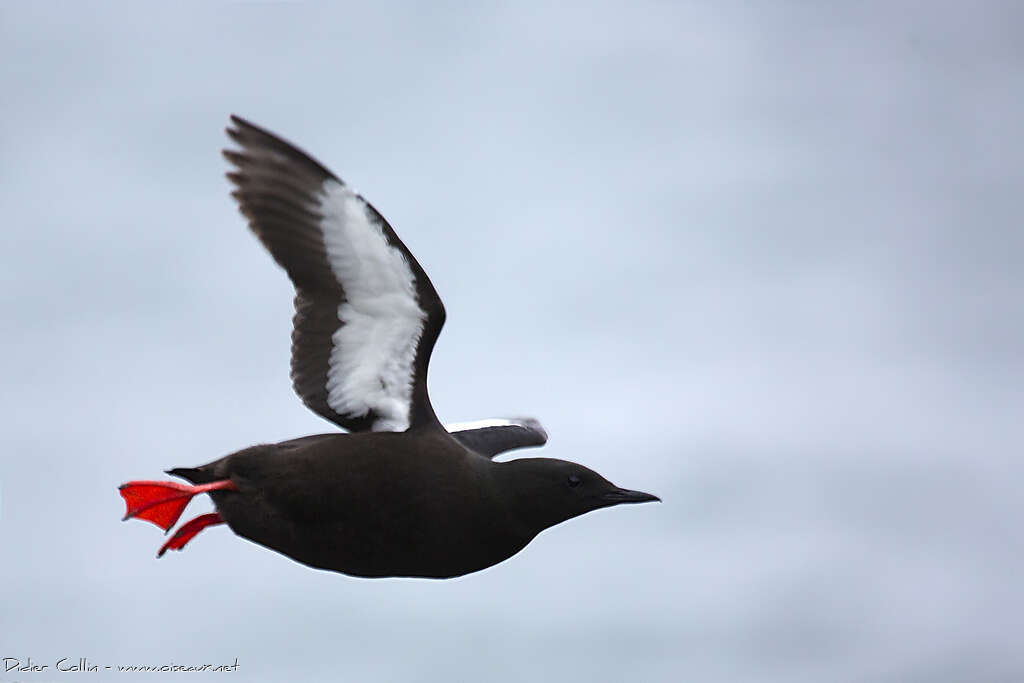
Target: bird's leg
[188,531]
[162,502]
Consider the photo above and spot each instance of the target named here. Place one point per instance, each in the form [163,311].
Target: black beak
[616,496]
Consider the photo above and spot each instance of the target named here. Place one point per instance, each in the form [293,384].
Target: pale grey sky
[766,263]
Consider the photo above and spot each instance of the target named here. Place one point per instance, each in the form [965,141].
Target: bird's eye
[574,481]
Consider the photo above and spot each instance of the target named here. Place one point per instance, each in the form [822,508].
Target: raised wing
[495,436]
[366,315]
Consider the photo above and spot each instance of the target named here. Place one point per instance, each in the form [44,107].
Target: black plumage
[410,498]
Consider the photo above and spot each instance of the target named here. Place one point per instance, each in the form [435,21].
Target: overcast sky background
[766,263]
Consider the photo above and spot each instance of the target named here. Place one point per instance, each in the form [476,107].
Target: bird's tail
[196,475]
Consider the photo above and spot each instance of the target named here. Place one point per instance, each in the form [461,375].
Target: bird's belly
[415,541]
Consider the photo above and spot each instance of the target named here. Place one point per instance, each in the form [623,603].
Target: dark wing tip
[250,136]
[242,125]
[234,156]
[535,428]
[493,437]
[239,121]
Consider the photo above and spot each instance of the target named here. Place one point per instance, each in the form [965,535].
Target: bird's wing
[495,436]
[366,315]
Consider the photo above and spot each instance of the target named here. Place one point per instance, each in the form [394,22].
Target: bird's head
[542,492]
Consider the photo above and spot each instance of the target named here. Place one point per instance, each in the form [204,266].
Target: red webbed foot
[162,502]
[188,531]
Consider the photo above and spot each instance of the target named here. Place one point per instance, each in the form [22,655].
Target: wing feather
[366,315]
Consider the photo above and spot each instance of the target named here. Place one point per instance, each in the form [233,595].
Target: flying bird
[400,494]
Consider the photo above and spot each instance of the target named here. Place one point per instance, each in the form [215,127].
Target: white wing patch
[373,353]
[480,424]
